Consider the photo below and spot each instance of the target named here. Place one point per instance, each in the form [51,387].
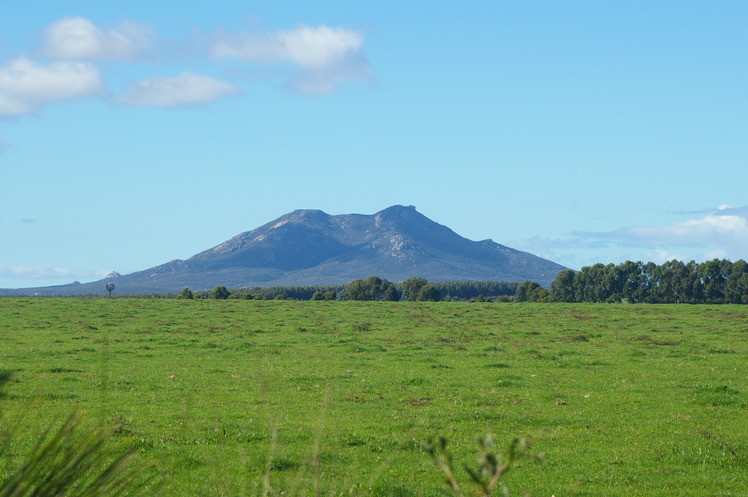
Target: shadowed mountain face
[309,247]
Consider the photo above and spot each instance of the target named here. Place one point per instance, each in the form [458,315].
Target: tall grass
[77,460]
[492,465]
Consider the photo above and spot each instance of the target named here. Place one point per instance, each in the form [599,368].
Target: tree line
[674,282]
[372,288]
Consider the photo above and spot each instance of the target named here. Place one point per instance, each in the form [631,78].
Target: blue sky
[133,133]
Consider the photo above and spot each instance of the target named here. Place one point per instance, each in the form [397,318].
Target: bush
[220,292]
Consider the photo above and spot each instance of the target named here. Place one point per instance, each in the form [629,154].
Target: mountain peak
[398,209]
[311,247]
[303,214]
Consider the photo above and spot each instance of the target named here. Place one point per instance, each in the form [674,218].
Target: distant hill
[310,247]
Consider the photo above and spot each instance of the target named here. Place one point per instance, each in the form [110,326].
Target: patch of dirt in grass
[581,317]
[734,315]
[648,340]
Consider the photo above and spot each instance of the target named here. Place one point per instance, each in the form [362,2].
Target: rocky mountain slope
[310,247]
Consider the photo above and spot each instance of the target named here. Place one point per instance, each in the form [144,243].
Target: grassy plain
[225,397]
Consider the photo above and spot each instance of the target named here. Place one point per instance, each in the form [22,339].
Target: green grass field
[228,397]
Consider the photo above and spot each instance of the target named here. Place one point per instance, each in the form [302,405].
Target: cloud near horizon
[721,233]
[26,86]
[725,228]
[325,57]
[187,89]
[48,273]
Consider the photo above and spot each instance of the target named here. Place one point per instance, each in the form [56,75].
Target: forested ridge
[674,282]
[372,288]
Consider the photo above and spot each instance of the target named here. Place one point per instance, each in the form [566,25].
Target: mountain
[310,247]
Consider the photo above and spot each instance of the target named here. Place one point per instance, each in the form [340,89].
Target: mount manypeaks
[310,247]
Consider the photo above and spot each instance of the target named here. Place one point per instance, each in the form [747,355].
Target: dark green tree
[411,287]
[390,293]
[356,290]
[540,294]
[527,291]
[373,288]
[613,282]
[186,294]
[633,289]
[562,288]
[736,287]
[331,295]
[220,292]
[714,279]
[428,293]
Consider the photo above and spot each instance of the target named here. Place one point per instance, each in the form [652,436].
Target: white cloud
[721,233]
[325,57]
[26,86]
[31,276]
[660,256]
[713,230]
[183,90]
[730,210]
[310,47]
[35,273]
[78,38]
